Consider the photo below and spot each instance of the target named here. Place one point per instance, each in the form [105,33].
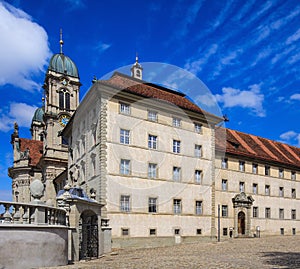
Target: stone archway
[242,214]
[88,235]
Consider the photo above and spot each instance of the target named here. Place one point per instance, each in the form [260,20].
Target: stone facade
[153,163]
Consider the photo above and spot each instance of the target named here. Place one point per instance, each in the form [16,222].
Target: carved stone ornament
[242,200]
[37,189]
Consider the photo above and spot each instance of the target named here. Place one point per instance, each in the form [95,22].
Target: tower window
[64,99]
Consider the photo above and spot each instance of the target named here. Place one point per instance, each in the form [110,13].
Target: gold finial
[61,42]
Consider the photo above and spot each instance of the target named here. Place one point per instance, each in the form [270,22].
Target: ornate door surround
[242,214]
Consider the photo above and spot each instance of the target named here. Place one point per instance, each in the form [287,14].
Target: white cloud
[100,47]
[195,66]
[294,37]
[18,112]
[24,48]
[251,99]
[295,96]
[291,137]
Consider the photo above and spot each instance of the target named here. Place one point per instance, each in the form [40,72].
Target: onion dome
[38,115]
[61,63]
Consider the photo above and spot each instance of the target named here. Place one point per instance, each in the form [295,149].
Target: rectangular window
[152,141]
[282,231]
[199,231]
[293,175]
[125,231]
[198,176]
[242,166]
[293,193]
[177,231]
[125,167]
[267,212]
[242,186]
[125,203]
[198,151]
[255,212]
[152,232]
[152,115]
[198,128]
[176,146]
[176,173]
[152,205]
[281,213]
[224,184]
[280,173]
[177,206]
[152,170]
[124,136]
[293,231]
[199,208]
[281,192]
[254,168]
[176,122]
[254,188]
[224,163]
[293,214]
[267,190]
[224,211]
[267,170]
[124,108]
[225,231]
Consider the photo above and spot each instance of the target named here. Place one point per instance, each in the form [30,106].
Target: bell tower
[61,93]
[137,69]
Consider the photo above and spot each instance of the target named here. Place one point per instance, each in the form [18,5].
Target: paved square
[269,252]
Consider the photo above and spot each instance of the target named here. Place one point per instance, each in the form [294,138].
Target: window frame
[125,205]
[152,115]
[152,205]
[175,170]
[124,108]
[176,122]
[124,136]
[125,167]
[198,207]
[177,206]
[152,141]
[176,146]
[224,183]
[198,151]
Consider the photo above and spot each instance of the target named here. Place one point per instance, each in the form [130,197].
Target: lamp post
[219,226]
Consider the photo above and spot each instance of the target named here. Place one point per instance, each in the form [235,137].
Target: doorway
[88,231]
[241,223]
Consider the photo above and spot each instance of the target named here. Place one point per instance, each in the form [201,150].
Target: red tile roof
[35,149]
[255,147]
[149,90]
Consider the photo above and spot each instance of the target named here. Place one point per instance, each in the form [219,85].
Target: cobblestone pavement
[272,252]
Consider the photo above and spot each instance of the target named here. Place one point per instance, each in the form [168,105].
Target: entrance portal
[88,227]
[241,223]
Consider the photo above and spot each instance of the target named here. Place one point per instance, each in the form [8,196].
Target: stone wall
[32,246]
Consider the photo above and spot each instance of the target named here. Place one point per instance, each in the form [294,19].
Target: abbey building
[157,167]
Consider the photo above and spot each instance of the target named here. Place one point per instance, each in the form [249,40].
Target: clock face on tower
[63,120]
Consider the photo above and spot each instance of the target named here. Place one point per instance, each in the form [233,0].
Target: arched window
[64,100]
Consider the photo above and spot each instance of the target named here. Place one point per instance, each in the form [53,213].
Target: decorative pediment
[242,200]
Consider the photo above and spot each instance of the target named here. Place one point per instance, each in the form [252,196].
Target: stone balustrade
[32,213]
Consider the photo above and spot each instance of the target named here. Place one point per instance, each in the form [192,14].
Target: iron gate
[89,241]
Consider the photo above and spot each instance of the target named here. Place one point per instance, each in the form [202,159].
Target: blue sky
[246,52]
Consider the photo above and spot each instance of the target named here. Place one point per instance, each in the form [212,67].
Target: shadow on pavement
[284,260]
